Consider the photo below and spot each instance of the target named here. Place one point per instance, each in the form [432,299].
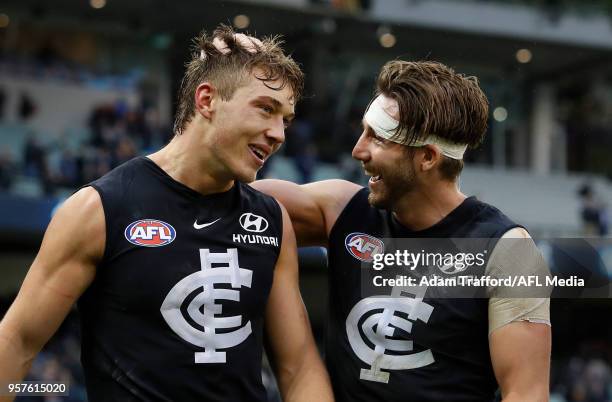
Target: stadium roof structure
[486,34]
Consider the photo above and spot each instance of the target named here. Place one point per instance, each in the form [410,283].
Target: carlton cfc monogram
[204,308]
[379,326]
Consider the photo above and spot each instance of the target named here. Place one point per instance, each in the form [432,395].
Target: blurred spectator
[593,212]
[159,134]
[7,169]
[27,107]
[2,102]
[138,129]
[586,381]
[300,146]
[102,163]
[349,135]
[34,157]
[100,118]
[124,151]
[597,380]
[68,175]
[35,163]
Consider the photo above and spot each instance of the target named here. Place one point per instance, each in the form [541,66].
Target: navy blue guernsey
[447,357]
[175,312]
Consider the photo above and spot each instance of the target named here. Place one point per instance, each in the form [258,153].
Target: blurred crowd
[584,377]
[594,212]
[115,133]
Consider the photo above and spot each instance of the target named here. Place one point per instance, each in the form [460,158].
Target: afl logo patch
[150,233]
[363,246]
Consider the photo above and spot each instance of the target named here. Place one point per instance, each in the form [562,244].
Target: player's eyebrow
[276,103]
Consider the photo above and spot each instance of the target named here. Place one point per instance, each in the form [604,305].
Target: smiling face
[249,127]
[388,163]
[390,166]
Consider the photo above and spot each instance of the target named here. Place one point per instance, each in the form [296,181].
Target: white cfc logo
[204,309]
[386,323]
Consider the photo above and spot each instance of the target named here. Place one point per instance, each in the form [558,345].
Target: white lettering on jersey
[254,239]
[363,246]
[150,232]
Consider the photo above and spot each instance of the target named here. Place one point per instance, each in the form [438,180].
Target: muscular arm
[62,270]
[520,352]
[520,340]
[313,207]
[299,369]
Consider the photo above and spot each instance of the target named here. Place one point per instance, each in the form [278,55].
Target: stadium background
[86,85]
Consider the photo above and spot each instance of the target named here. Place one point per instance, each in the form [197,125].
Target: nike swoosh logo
[204,225]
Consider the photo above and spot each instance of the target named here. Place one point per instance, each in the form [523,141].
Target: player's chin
[247,175]
[378,200]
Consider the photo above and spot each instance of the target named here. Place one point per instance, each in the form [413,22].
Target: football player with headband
[419,347]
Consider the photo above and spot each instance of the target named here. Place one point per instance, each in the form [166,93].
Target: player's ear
[430,157]
[204,95]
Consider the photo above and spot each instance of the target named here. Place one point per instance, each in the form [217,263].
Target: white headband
[385,126]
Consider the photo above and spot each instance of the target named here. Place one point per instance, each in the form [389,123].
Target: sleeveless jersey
[427,348]
[175,311]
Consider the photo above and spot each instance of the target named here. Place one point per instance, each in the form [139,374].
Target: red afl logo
[363,246]
[150,233]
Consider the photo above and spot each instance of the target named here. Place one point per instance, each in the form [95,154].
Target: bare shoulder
[63,268]
[85,203]
[78,228]
[516,233]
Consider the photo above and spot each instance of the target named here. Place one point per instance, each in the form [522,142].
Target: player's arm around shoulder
[64,267]
[299,370]
[313,207]
[520,332]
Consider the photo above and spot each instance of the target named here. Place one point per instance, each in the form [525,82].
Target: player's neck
[426,206]
[194,169]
